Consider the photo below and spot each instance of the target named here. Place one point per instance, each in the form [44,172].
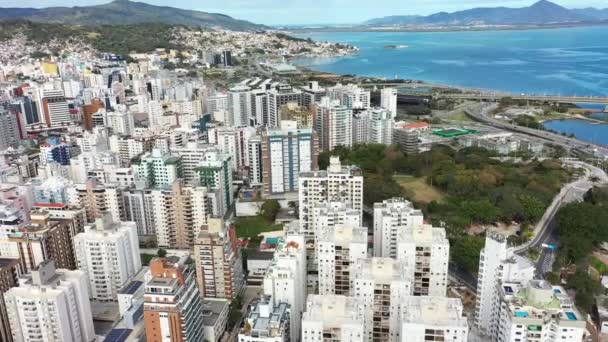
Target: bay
[584,130]
[568,61]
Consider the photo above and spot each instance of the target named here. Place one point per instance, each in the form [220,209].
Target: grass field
[252,226]
[418,189]
[461,116]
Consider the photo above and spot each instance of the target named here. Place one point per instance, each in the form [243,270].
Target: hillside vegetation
[120,39]
[124,12]
[474,188]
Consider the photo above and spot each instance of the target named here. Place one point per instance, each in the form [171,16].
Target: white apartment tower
[427,250]
[254,148]
[333,123]
[497,264]
[108,252]
[344,182]
[380,126]
[333,318]
[285,280]
[327,215]
[337,250]
[388,100]
[51,305]
[381,284]
[158,168]
[432,319]
[391,217]
[239,106]
[350,95]
[192,154]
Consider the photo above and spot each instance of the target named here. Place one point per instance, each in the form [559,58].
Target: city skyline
[295,12]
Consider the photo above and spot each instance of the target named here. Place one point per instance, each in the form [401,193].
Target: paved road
[481,112]
[544,231]
[549,98]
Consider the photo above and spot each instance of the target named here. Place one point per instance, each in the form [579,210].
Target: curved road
[482,113]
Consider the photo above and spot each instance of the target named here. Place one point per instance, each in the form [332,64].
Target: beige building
[218,261]
[301,114]
[173,309]
[97,198]
[45,239]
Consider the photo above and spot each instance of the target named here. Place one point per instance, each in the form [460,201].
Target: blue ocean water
[596,133]
[569,61]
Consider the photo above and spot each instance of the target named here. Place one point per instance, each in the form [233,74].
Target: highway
[544,231]
[543,98]
[481,112]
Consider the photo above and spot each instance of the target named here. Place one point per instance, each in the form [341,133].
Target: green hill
[123,12]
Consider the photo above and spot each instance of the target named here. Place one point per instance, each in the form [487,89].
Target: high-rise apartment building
[45,239]
[55,110]
[333,318]
[108,252]
[216,174]
[337,250]
[239,106]
[427,250]
[343,182]
[381,284]
[327,215]
[9,273]
[388,100]
[302,115]
[158,168]
[218,261]
[192,154]
[173,310]
[51,305]
[277,98]
[351,95]
[254,148]
[97,198]
[333,123]
[285,280]
[286,152]
[361,129]
[174,214]
[232,141]
[380,126]
[9,131]
[390,218]
[432,319]
[498,264]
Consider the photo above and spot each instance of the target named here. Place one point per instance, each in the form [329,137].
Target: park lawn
[252,226]
[419,189]
[459,117]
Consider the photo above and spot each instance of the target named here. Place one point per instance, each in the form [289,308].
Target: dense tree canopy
[478,187]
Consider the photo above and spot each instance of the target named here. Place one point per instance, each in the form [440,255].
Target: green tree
[270,209]
[586,290]
[161,253]
[465,252]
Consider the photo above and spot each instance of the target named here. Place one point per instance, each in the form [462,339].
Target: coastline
[383,29]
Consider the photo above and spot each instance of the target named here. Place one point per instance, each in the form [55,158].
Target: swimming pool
[571,316]
[521,314]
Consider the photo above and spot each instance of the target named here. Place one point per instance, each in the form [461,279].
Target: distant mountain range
[541,13]
[128,12]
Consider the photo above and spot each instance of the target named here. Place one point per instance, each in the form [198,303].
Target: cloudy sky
[274,12]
